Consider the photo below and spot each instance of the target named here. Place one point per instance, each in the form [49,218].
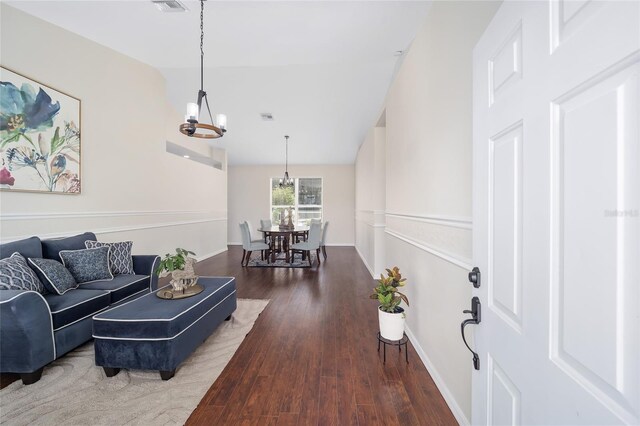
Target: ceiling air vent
[266,116]
[169,5]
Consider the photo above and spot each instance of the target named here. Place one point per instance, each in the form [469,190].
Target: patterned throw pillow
[56,278]
[87,265]
[120,260]
[15,274]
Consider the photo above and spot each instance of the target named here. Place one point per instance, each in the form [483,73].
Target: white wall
[428,188]
[131,188]
[249,197]
[370,200]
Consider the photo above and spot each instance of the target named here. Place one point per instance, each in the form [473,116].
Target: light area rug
[73,391]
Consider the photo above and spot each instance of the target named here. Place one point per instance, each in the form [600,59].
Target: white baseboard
[234,244]
[369,268]
[437,379]
[208,255]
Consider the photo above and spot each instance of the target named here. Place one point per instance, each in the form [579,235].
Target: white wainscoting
[85,221]
[73,215]
[151,231]
[448,237]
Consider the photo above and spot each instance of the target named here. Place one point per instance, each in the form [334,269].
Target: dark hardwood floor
[311,357]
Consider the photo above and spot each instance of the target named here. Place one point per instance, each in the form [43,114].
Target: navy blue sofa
[36,329]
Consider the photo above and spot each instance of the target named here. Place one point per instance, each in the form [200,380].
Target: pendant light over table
[191,126]
[286,180]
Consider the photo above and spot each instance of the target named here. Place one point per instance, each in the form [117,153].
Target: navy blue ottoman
[150,333]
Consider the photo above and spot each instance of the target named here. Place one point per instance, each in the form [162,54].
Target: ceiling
[321,68]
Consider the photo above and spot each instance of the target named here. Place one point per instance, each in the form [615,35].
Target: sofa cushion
[121,286]
[75,305]
[120,259]
[29,247]
[15,274]
[56,278]
[87,265]
[52,248]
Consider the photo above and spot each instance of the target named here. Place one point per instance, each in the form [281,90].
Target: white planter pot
[391,325]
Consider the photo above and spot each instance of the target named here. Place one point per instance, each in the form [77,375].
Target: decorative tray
[169,293]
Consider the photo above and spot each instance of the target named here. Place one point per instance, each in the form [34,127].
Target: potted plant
[390,314]
[180,266]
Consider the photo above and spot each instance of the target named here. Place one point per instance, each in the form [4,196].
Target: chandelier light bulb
[221,122]
[192,111]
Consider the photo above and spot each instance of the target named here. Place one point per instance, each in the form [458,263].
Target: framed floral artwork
[39,137]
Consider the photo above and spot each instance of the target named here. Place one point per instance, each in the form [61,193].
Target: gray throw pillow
[87,265]
[120,259]
[56,278]
[15,274]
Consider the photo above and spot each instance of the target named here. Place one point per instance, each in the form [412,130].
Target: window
[304,197]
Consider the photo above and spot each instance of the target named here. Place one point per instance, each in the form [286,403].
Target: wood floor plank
[367,415]
[402,403]
[311,357]
[287,419]
[346,397]
[328,401]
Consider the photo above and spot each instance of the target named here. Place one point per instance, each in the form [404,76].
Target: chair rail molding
[447,235]
[117,229]
[465,263]
[99,214]
[444,220]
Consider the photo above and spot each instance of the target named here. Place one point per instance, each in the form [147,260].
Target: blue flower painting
[39,137]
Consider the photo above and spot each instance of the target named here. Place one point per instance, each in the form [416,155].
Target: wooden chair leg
[261,254]
[248,258]
[318,254]
[309,257]
[324,252]
[244,253]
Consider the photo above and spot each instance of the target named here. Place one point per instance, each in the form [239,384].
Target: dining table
[275,233]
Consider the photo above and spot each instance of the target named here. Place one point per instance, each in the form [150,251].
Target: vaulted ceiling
[321,68]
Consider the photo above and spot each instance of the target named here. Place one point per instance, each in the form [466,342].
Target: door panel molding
[505,231]
[503,396]
[599,248]
[505,66]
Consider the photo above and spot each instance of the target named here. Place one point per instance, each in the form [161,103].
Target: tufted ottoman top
[152,318]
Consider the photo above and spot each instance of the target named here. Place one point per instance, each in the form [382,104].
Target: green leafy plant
[174,262]
[387,294]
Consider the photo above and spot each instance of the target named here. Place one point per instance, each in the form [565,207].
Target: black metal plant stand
[398,343]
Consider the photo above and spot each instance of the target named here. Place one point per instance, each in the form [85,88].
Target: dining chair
[266,224]
[249,246]
[253,240]
[323,244]
[304,235]
[312,243]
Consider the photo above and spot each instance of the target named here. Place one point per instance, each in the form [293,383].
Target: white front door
[556,214]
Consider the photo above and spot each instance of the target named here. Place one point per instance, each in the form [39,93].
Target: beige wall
[249,197]
[131,188]
[428,188]
[370,200]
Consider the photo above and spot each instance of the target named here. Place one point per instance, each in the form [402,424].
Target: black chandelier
[191,126]
[286,181]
